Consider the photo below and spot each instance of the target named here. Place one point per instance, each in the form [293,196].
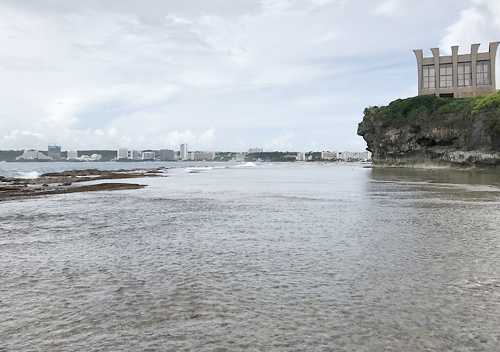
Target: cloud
[281,143]
[211,73]
[478,23]
[26,138]
[390,8]
[23,64]
[111,132]
[312,146]
[468,29]
[207,138]
[175,138]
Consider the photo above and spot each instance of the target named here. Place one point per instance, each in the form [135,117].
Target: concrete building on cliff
[458,76]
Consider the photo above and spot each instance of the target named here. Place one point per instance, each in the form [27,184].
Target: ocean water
[35,169]
[256,257]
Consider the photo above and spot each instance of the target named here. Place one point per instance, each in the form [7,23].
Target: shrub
[491,101]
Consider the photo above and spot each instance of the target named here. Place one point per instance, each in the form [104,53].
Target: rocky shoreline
[70,182]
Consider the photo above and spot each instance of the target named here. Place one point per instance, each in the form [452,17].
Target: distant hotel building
[122,153]
[148,155]
[330,155]
[166,154]
[184,151]
[356,155]
[33,155]
[134,155]
[72,155]
[55,152]
[458,76]
[200,156]
[255,150]
[301,156]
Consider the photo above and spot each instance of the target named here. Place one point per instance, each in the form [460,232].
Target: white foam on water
[29,174]
[249,164]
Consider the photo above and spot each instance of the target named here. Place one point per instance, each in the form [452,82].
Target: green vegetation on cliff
[428,130]
[432,111]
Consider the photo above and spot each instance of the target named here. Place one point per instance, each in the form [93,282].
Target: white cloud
[175,138]
[26,138]
[112,132]
[112,73]
[390,8]
[207,138]
[468,29]
[478,23]
[312,146]
[18,134]
[281,143]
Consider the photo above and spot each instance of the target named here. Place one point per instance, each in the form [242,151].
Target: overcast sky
[221,75]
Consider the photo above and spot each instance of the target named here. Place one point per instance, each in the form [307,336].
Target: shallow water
[283,257]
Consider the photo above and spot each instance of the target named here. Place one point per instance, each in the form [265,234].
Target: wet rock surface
[70,182]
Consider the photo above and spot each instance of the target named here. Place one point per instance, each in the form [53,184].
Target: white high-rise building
[122,153]
[72,155]
[148,155]
[357,155]
[301,156]
[184,151]
[134,155]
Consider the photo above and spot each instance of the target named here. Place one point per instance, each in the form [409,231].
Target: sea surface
[255,257]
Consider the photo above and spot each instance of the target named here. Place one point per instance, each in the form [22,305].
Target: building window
[428,76]
[445,75]
[483,72]
[464,74]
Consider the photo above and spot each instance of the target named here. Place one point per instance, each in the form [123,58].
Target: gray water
[283,257]
[35,169]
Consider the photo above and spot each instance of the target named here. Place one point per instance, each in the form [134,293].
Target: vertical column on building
[420,56]
[473,54]
[454,56]
[435,54]
[493,55]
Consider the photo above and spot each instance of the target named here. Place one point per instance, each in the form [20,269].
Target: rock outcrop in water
[69,182]
[427,131]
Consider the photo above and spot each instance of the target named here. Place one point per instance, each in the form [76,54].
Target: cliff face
[428,131]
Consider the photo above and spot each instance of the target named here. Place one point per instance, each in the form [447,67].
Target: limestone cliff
[427,131]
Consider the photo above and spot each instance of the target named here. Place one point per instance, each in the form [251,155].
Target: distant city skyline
[279,74]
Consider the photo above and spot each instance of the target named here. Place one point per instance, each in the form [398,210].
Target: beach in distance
[253,257]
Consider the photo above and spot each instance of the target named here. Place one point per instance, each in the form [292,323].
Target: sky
[220,75]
